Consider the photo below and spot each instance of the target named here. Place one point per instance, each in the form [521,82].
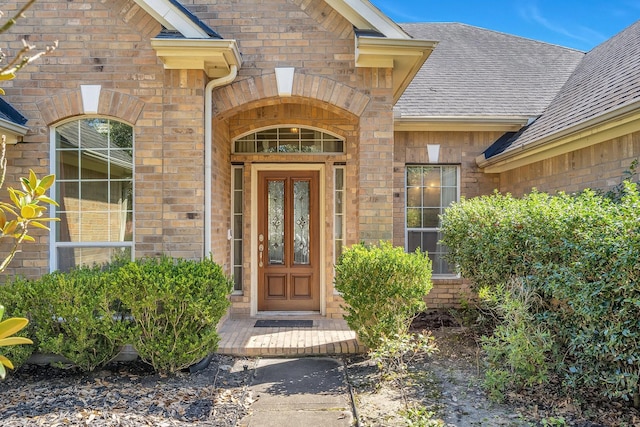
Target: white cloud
[531,13]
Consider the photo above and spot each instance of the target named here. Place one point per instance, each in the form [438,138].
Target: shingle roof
[208,30]
[607,79]
[479,72]
[10,114]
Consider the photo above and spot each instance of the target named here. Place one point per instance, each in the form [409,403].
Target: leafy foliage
[9,327]
[75,317]
[176,305]
[384,287]
[578,255]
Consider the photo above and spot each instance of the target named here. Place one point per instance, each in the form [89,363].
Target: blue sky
[579,24]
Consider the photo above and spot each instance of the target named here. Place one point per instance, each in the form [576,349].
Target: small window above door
[289,140]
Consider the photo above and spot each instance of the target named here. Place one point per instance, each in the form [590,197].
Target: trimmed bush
[176,306]
[384,288]
[74,316]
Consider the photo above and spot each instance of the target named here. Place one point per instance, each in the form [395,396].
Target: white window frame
[53,243]
[235,193]
[428,229]
[277,140]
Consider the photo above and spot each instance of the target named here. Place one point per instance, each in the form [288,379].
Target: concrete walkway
[299,392]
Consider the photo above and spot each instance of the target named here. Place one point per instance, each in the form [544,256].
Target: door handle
[260,251]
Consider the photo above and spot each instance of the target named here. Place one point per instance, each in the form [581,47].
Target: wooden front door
[288,241]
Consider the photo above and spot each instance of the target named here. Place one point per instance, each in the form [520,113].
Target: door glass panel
[301,222]
[276,222]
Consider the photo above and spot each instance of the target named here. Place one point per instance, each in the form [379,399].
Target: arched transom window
[289,139]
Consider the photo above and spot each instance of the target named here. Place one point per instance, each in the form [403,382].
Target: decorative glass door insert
[288,241]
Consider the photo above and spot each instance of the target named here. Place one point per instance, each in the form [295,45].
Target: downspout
[208,145]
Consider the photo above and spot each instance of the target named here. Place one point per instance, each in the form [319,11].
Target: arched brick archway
[263,90]
[110,103]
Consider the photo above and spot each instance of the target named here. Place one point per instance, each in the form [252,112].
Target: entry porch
[325,336]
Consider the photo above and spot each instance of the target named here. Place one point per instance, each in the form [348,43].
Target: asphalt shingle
[479,72]
[606,80]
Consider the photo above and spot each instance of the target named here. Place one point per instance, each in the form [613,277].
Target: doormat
[283,324]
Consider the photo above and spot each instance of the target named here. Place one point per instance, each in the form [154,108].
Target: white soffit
[172,18]
[365,16]
[12,132]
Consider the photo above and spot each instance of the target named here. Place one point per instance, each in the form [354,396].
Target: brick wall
[599,166]
[459,148]
[106,43]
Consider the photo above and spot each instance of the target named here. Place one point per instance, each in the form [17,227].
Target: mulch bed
[126,394]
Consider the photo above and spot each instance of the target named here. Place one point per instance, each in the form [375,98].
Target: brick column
[375,154]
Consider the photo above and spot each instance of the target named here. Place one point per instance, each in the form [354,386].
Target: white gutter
[580,130]
[208,145]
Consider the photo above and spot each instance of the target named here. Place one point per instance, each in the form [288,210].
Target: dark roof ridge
[9,113]
[492,31]
[207,29]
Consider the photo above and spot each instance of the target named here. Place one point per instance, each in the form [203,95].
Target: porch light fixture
[284,80]
[433,151]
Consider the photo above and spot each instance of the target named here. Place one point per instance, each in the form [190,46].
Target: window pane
[338,227]
[414,240]
[430,217]
[289,140]
[67,165]
[339,179]
[429,190]
[94,163]
[414,218]
[449,176]
[449,195]
[75,256]
[276,223]
[237,225]
[237,178]
[237,278]
[431,197]
[414,197]
[414,176]
[301,218]
[68,229]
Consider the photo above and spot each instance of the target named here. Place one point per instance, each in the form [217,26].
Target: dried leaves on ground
[446,389]
[126,394]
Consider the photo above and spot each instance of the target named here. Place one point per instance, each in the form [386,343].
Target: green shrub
[384,287]
[578,254]
[176,306]
[519,353]
[75,317]
[15,296]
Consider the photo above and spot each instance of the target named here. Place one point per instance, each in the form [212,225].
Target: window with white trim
[429,190]
[237,226]
[339,222]
[288,140]
[93,163]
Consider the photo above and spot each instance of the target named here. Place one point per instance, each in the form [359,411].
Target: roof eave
[614,124]
[404,56]
[12,131]
[173,17]
[363,15]
[214,56]
[460,123]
